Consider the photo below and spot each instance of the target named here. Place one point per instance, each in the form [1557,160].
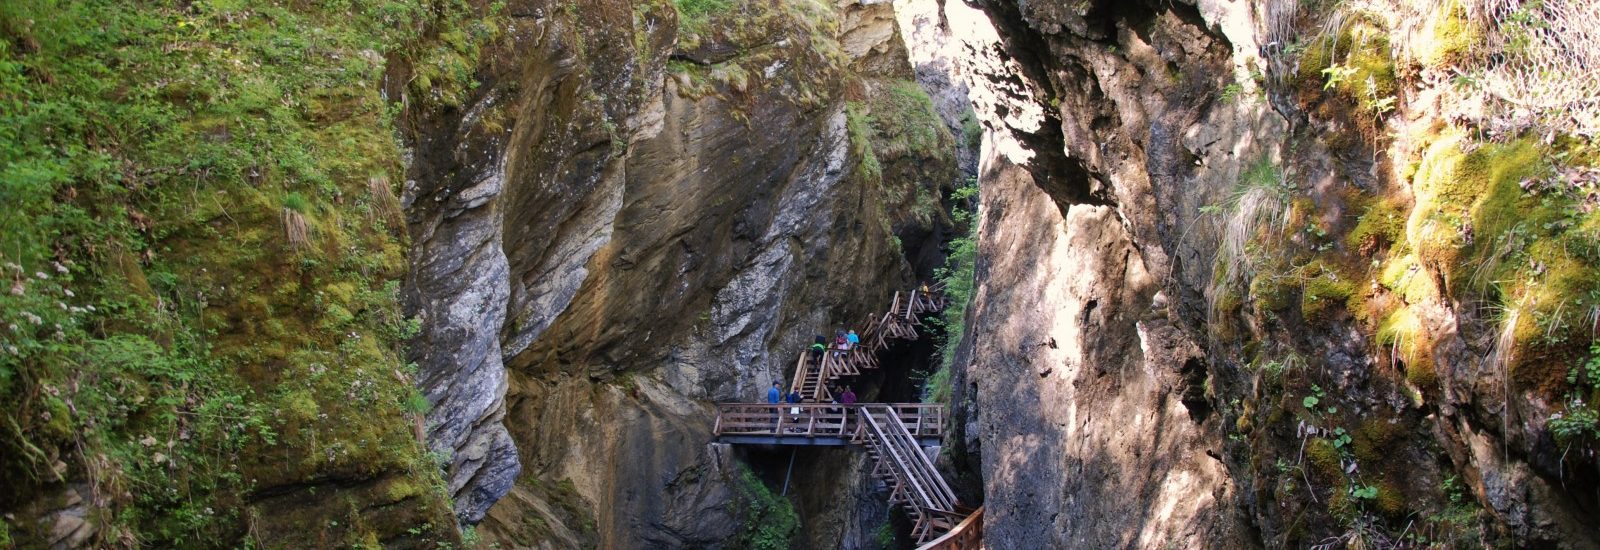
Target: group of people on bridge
[776,395]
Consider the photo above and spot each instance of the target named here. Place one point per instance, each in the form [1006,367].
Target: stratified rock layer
[605,247]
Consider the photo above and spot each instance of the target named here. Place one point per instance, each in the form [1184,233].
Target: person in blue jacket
[774,397]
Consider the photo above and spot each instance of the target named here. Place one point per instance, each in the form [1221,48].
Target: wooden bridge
[817,423]
[895,435]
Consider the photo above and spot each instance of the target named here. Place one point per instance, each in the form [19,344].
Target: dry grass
[1257,211]
[1500,357]
[294,229]
[1276,19]
[1259,205]
[384,204]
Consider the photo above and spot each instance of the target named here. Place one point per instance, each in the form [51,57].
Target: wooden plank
[967,535]
[939,492]
[899,450]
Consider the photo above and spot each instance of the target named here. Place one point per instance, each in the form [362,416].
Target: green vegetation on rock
[1498,224]
[770,522]
[201,255]
[958,277]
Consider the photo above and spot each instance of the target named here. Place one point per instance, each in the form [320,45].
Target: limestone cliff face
[506,198]
[1146,366]
[633,217]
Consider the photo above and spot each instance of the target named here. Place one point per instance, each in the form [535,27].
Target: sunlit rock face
[1067,395]
[1113,391]
[606,246]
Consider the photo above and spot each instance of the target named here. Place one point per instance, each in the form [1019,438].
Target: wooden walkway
[896,436]
[812,374]
[817,423]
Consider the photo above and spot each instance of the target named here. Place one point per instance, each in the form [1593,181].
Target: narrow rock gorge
[459,273]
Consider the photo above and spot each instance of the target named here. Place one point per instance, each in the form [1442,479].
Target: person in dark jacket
[847,399]
[794,412]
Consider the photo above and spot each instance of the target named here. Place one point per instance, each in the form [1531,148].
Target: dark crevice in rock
[1194,375]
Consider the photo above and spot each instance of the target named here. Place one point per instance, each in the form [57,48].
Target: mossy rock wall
[203,250]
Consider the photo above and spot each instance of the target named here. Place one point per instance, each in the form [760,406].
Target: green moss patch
[1487,220]
[1450,36]
[194,257]
[1324,292]
[1381,225]
[1349,75]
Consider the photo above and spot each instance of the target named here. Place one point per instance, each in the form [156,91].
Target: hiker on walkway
[853,338]
[841,343]
[818,347]
[794,410]
[775,395]
[847,398]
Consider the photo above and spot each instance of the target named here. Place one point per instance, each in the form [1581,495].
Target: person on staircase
[847,399]
[841,344]
[818,347]
[853,338]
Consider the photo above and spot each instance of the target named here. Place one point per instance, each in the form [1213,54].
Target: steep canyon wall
[1188,327]
[635,216]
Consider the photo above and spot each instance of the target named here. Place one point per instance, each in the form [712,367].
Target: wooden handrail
[967,535]
[799,372]
[758,418]
[898,463]
[922,466]
[916,483]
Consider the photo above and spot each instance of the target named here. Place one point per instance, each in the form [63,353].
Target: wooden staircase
[892,434]
[898,323]
[913,482]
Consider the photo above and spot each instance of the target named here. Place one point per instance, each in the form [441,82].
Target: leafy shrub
[958,277]
[770,522]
